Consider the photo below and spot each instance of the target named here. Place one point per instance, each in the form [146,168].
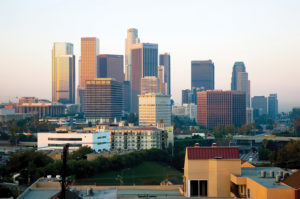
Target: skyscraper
[63,73]
[154,108]
[110,66]
[237,67]
[103,99]
[259,103]
[273,105]
[163,87]
[185,96]
[88,60]
[132,38]
[149,84]
[164,60]
[243,85]
[203,75]
[144,60]
[221,108]
[87,65]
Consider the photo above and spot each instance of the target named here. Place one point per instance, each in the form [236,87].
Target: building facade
[207,171]
[42,109]
[110,66]
[163,86]
[165,61]
[273,105]
[203,75]
[97,141]
[221,108]
[103,99]
[63,73]
[243,85]
[149,84]
[136,138]
[144,61]
[132,38]
[260,103]
[88,60]
[185,96]
[154,108]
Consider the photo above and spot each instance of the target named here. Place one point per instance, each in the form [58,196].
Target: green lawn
[145,173]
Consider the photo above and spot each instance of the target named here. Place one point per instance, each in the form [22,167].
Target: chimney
[262,173]
[271,174]
[214,144]
[197,144]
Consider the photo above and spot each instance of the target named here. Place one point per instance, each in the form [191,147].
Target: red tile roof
[293,180]
[200,153]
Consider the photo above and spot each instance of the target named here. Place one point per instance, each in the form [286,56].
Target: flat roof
[254,173]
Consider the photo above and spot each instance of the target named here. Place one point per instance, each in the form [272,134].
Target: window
[65,139]
[249,193]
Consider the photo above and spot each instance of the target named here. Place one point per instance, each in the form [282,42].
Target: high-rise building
[126,96]
[203,75]
[163,87]
[87,66]
[237,67]
[103,99]
[249,116]
[144,60]
[259,103]
[243,85]
[165,60]
[132,38]
[273,105]
[185,96]
[154,109]
[88,60]
[110,66]
[149,84]
[221,108]
[63,73]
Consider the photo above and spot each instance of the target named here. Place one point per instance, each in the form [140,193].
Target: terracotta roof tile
[293,180]
[195,153]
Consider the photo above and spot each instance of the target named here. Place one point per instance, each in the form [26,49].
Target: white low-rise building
[97,141]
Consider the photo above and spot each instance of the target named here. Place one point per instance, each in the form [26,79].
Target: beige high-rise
[154,109]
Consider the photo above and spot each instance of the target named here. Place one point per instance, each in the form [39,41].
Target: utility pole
[63,172]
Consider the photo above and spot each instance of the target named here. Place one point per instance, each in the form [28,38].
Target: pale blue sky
[265,34]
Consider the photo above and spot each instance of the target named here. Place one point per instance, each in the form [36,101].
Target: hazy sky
[265,34]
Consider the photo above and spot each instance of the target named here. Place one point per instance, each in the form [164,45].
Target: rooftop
[254,173]
[198,153]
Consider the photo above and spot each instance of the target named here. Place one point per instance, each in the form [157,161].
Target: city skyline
[268,46]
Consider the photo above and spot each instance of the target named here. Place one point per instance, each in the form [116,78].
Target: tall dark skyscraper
[203,75]
[110,66]
[273,105]
[144,61]
[185,96]
[221,108]
[237,67]
[165,60]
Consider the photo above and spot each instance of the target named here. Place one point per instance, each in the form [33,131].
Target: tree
[289,155]
[263,153]
[81,153]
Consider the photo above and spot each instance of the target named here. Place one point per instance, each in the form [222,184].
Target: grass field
[145,173]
